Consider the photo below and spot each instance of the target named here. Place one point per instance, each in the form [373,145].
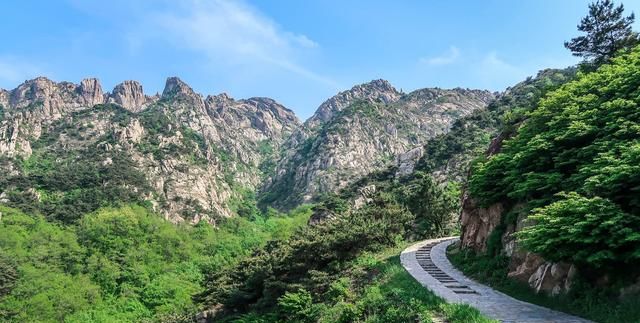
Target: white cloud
[304,41]
[446,58]
[496,72]
[492,63]
[232,32]
[14,70]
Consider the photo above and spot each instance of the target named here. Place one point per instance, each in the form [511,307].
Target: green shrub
[590,232]
[297,306]
[8,275]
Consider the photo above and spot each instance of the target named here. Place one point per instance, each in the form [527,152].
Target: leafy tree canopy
[582,138]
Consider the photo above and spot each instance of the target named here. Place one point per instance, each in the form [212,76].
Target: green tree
[8,276]
[607,32]
[310,259]
[433,205]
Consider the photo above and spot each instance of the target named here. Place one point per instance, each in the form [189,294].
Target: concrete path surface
[427,262]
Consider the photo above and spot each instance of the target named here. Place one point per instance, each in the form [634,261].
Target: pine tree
[607,32]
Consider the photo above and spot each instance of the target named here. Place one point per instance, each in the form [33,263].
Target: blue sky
[297,52]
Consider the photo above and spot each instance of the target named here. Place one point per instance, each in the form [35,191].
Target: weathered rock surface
[376,90]
[91,91]
[407,161]
[362,130]
[193,152]
[129,95]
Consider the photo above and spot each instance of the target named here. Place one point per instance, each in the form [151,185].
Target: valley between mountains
[121,206]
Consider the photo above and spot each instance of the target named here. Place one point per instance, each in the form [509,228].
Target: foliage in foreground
[582,141]
[597,304]
[121,264]
[310,259]
[374,287]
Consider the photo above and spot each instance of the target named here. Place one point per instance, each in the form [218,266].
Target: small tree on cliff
[607,32]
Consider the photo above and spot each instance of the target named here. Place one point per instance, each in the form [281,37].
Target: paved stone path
[427,262]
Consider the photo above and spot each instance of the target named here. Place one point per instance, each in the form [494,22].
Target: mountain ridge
[366,128]
[198,154]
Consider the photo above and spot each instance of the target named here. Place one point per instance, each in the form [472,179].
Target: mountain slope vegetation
[576,151]
[122,264]
[368,128]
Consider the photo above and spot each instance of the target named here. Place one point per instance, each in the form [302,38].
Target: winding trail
[427,262]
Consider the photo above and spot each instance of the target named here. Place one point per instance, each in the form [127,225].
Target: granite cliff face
[192,157]
[363,130]
[194,153]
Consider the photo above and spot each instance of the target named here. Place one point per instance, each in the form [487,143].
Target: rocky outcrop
[4,98]
[406,162]
[129,95]
[374,91]
[478,223]
[194,153]
[91,91]
[365,196]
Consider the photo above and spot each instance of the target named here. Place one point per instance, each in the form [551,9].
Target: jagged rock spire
[176,87]
[91,91]
[129,95]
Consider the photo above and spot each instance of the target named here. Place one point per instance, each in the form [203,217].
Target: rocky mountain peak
[376,90]
[176,87]
[268,105]
[91,91]
[4,98]
[362,130]
[38,89]
[221,100]
[129,95]
[380,85]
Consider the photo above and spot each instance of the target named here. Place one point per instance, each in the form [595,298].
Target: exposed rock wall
[478,224]
[362,130]
[195,153]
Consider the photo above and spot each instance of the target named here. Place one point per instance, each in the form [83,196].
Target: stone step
[457,286]
[460,291]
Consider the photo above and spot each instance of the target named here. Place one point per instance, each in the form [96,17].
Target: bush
[8,275]
[297,306]
[591,232]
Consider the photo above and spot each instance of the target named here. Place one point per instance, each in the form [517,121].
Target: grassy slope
[403,292]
